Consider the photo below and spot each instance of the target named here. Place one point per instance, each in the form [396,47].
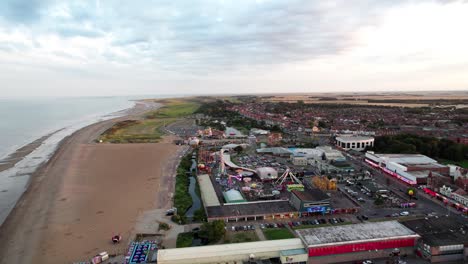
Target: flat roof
[292,252]
[311,195]
[208,193]
[440,231]
[407,159]
[353,138]
[250,208]
[216,253]
[346,234]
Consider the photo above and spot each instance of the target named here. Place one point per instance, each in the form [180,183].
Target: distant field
[148,130]
[277,233]
[174,109]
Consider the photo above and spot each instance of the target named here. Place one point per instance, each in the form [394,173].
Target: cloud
[205,35]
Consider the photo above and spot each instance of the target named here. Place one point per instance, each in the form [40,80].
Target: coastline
[17,231]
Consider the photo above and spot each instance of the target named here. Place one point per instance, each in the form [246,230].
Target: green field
[184,240]
[149,129]
[136,131]
[240,237]
[174,109]
[277,233]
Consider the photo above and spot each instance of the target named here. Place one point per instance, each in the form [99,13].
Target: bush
[164,226]
[184,240]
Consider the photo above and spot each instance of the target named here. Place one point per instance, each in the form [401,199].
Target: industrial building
[310,201]
[357,143]
[411,168]
[279,251]
[443,239]
[357,242]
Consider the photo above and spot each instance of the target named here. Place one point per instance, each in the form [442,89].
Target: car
[245,228]
[360,199]
[365,217]
[404,213]
[367,262]
[359,218]
[298,223]
[341,220]
[275,225]
[280,225]
[395,215]
[323,221]
[290,224]
[196,229]
[233,228]
[316,222]
[330,221]
[262,226]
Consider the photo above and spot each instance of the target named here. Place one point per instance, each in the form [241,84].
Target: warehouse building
[354,142]
[443,239]
[278,251]
[413,169]
[357,242]
[310,201]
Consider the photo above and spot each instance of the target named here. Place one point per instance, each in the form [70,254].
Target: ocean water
[25,120]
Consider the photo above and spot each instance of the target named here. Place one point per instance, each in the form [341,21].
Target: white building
[357,143]
[410,168]
[267,173]
[299,161]
[287,250]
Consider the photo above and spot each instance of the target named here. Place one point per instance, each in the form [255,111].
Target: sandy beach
[86,193]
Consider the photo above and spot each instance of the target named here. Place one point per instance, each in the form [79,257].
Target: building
[357,241]
[299,161]
[357,143]
[411,168]
[329,154]
[443,239]
[233,196]
[267,173]
[274,139]
[277,151]
[459,196]
[310,201]
[283,251]
[251,211]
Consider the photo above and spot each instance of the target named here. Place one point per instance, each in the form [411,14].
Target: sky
[75,48]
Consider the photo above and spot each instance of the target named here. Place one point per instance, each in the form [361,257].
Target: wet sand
[85,194]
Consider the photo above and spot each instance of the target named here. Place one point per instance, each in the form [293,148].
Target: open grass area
[240,237]
[174,108]
[149,130]
[184,240]
[135,131]
[277,233]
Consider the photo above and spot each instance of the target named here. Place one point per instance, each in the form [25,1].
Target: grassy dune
[149,129]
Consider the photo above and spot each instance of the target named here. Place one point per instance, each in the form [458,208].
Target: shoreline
[37,218]
[18,167]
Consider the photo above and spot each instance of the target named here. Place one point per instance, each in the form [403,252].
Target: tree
[212,231]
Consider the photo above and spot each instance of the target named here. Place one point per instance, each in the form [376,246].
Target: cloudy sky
[125,47]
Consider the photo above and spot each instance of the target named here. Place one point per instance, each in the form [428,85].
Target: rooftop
[213,253]
[207,190]
[407,159]
[440,231]
[311,195]
[353,138]
[345,234]
[246,209]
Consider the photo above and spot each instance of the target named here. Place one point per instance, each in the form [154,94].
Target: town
[309,184]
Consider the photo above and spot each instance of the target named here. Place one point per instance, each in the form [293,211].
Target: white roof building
[208,193]
[267,173]
[228,253]
[358,143]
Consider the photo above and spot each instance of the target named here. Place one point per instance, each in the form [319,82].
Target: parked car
[404,213]
[365,217]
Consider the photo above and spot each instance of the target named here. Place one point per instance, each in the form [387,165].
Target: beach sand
[86,193]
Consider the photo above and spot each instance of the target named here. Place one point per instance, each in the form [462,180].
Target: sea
[23,120]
